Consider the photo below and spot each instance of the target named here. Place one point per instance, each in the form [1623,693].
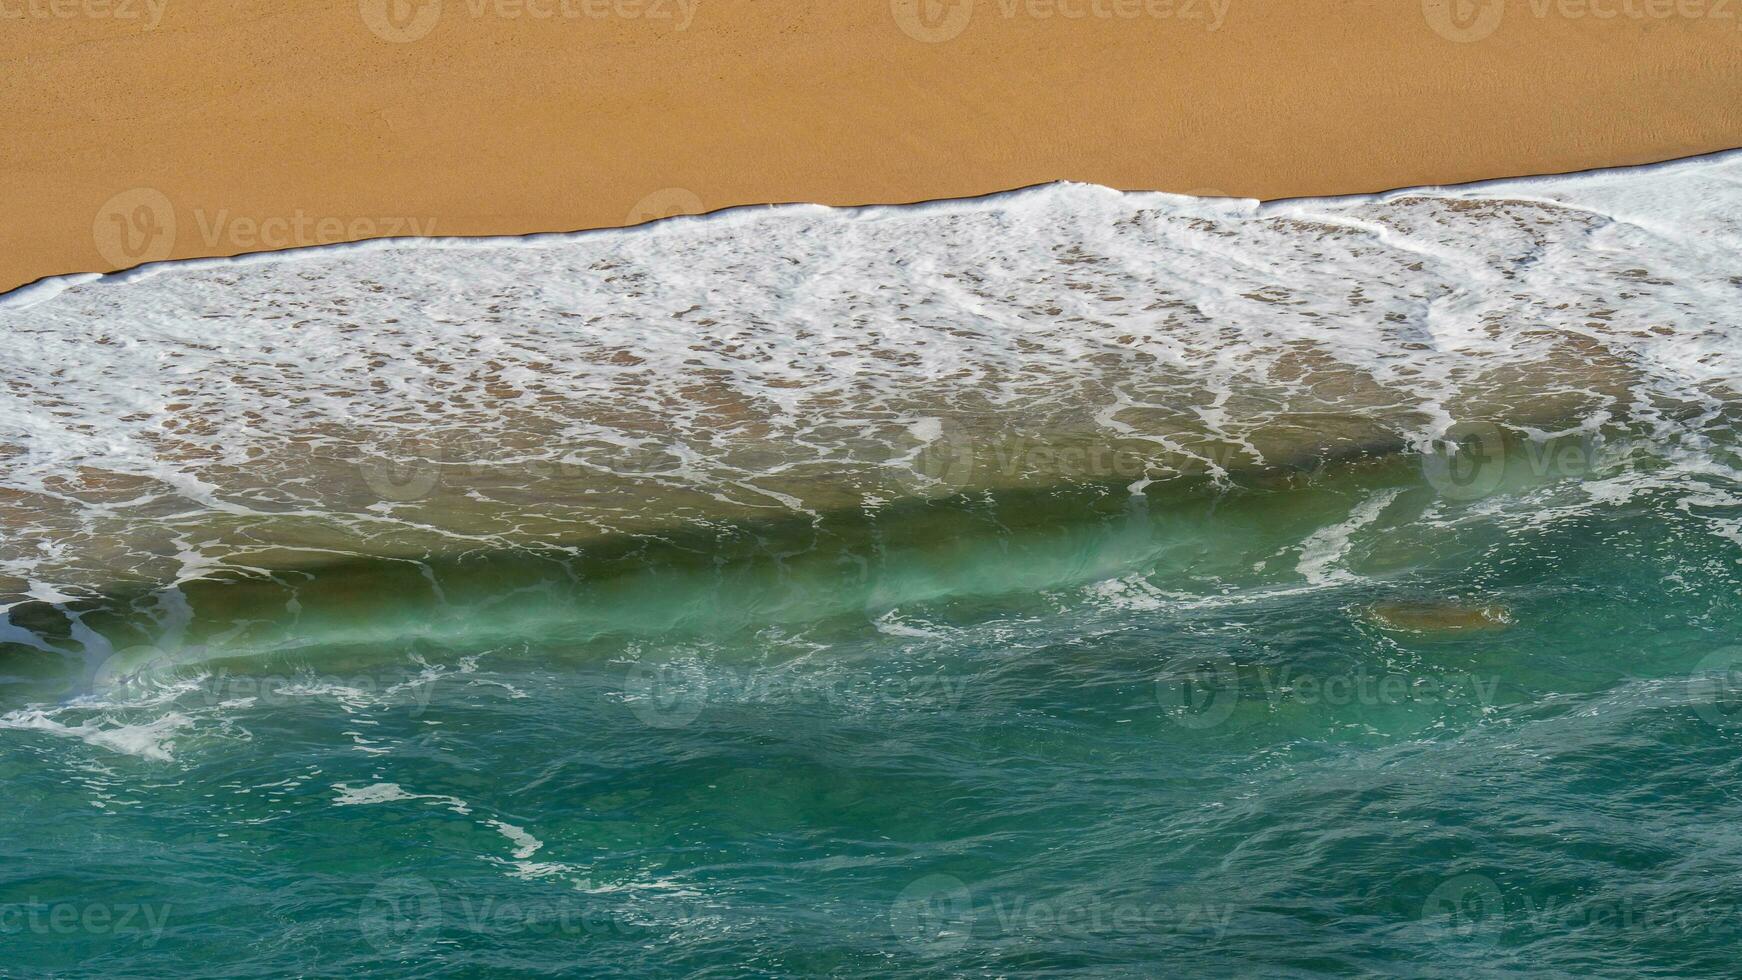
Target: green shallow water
[1072,731]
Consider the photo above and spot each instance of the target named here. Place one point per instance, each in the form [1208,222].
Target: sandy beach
[142,130]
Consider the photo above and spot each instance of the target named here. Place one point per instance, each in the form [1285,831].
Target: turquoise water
[1345,721]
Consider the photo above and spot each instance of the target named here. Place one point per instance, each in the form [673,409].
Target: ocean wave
[272,420]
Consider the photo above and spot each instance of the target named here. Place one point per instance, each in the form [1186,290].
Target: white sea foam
[1322,553]
[377,793]
[153,740]
[524,845]
[398,398]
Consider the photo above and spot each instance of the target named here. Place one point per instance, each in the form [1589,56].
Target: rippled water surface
[1067,582]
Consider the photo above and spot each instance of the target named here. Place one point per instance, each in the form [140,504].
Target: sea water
[1064,582]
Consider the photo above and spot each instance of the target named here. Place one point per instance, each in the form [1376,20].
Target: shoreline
[212,130]
[48,287]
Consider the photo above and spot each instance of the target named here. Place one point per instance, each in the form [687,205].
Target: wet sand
[141,130]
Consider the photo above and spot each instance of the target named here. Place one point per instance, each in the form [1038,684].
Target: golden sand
[138,130]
